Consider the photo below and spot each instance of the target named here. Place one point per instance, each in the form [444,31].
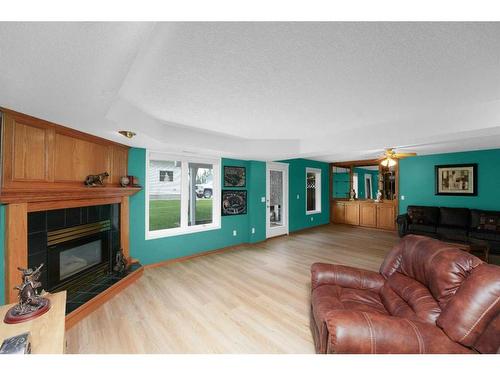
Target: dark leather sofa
[452,224]
[428,297]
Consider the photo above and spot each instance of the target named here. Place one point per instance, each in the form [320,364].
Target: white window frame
[317,172]
[216,193]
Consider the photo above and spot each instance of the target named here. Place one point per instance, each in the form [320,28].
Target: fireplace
[78,247]
[76,251]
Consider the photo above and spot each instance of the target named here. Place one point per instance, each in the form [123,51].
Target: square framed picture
[235,176]
[234,202]
[456,179]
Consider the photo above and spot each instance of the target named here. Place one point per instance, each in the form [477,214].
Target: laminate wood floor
[251,299]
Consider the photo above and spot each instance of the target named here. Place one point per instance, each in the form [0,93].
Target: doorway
[276,199]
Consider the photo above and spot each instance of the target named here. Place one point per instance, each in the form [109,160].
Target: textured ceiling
[330,91]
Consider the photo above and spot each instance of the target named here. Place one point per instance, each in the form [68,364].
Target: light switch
[298,197]
[263,199]
[402,197]
[253,230]
[234,233]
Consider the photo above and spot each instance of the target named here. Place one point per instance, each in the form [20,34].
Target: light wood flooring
[250,299]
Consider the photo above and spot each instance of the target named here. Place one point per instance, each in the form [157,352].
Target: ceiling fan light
[388,162]
[127,133]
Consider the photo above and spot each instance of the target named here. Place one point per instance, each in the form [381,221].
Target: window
[166,176]
[313,191]
[186,196]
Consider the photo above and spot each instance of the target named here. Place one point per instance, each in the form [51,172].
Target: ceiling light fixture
[388,162]
[389,158]
[127,133]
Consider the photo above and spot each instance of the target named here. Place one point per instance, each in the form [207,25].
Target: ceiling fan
[388,159]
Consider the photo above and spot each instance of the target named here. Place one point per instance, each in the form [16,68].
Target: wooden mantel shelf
[47,195]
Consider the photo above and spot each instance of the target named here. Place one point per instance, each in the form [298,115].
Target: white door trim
[283,229]
[368,179]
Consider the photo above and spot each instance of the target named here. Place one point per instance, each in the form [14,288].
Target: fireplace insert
[77,251]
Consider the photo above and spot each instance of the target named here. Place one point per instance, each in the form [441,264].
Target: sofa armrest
[360,332]
[344,276]
[403,221]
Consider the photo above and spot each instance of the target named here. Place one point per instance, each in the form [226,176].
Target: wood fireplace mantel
[42,198]
[43,168]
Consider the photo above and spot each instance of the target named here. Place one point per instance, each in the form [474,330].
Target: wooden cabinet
[365,213]
[26,149]
[352,213]
[41,155]
[386,217]
[338,212]
[368,215]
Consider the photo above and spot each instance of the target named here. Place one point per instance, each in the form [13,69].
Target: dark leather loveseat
[428,297]
[452,224]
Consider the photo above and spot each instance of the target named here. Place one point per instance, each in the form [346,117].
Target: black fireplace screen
[79,258]
[75,251]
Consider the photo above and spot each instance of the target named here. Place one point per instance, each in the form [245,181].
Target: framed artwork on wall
[235,176]
[456,179]
[234,202]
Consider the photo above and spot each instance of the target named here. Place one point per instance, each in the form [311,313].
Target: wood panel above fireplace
[42,160]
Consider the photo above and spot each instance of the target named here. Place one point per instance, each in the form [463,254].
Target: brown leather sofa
[429,297]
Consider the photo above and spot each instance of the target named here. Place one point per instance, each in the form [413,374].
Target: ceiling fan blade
[401,155]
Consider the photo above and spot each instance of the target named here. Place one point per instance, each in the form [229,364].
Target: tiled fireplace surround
[86,284]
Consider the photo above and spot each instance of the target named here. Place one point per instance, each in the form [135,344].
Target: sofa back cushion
[423,215]
[485,220]
[454,217]
[439,266]
[474,307]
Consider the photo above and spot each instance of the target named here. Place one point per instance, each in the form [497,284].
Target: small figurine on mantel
[96,179]
[379,197]
[30,304]
[120,262]
[352,194]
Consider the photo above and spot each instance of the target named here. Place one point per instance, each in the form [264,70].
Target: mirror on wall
[388,183]
[365,181]
[341,180]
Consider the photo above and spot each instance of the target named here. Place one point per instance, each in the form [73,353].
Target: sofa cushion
[421,228]
[454,217]
[489,222]
[333,297]
[485,235]
[485,220]
[452,233]
[423,215]
[407,298]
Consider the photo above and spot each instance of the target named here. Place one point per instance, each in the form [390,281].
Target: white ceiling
[328,91]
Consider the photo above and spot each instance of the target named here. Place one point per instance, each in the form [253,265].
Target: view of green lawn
[166,213]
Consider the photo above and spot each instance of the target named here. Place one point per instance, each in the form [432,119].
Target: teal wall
[297,186]
[256,181]
[341,185]
[417,180]
[157,250]
[2,254]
